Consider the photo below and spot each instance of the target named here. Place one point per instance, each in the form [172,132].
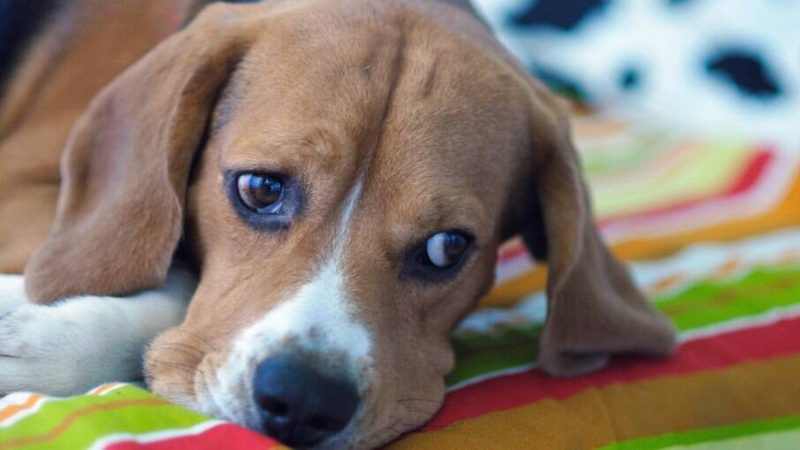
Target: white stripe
[156,436]
[488,376]
[113,388]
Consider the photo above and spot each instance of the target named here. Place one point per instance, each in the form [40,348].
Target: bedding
[704,202]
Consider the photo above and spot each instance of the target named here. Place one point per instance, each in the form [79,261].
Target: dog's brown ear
[467,6]
[594,308]
[126,165]
[463,4]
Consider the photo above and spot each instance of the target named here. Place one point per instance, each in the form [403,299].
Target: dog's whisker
[198,336]
[185,367]
[181,348]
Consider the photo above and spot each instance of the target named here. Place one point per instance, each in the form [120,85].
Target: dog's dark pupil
[264,191]
[454,246]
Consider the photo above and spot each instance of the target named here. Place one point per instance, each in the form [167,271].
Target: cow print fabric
[713,67]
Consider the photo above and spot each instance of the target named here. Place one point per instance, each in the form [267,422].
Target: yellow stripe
[596,417]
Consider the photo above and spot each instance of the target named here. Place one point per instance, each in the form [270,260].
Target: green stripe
[716,434]
[782,440]
[133,419]
[484,353]
[54,410]
[703,304]
[708,303]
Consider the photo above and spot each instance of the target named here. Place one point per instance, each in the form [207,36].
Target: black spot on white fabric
[564,15]
[745,71]
[560,83]
[630,78]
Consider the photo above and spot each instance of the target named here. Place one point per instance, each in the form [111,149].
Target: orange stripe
[10,411]
[104,388]
[621,412]
[70,418]
[511,291]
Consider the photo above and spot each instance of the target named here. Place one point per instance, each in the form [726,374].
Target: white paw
[42,349]
[76,344]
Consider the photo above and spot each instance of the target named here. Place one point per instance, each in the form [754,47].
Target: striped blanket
[712,230]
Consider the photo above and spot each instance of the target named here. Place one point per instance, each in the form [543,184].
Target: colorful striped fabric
[114,417]
[713,230]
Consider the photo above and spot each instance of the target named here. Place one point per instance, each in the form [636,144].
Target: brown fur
[448,131]
[65,66]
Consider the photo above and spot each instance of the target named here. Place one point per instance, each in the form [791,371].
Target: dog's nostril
[298,405]
[274,406]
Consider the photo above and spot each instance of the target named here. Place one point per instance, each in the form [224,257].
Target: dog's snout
[298,405]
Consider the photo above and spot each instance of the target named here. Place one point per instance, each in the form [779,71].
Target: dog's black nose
[299,406]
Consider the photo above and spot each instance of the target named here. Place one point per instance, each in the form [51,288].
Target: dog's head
[343,173]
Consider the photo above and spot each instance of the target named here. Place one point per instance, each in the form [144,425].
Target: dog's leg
[73,345]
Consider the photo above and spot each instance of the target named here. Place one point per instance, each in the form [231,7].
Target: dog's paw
[71,346]
[47,349]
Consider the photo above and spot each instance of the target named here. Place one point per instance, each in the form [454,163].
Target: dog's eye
[262,193]
[446,249]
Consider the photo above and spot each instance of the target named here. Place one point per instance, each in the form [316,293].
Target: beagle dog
[337,175]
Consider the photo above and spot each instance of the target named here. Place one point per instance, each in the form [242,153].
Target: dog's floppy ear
[467,6]
[126,165]
[594,308]
[463,4]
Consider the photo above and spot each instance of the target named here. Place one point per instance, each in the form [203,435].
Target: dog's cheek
[414,389]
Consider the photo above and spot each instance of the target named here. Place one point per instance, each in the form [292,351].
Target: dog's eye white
[444,250]
[262,193]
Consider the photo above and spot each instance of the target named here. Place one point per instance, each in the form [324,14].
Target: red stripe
[222,437]
[753,171]
[512,252]
[702,354]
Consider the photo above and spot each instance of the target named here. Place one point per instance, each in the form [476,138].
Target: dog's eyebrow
[229,96]
[282,154]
